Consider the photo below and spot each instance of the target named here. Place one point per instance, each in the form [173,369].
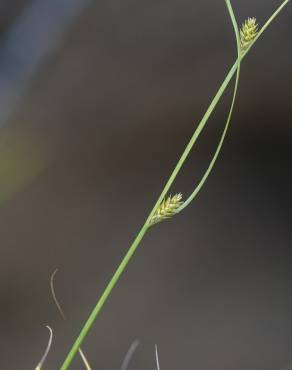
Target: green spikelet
[248,32]
[167,209]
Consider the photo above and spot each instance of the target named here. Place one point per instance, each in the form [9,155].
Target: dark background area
[86,148]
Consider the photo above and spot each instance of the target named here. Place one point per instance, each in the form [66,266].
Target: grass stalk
[91,319]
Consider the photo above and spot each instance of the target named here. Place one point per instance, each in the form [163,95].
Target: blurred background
[97,101]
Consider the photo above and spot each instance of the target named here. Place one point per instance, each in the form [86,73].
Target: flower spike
[248,33]
[167,208]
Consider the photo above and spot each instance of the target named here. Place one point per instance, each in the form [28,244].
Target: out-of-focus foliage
[22,157]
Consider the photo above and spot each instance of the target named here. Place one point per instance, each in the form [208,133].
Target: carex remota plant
[166,206]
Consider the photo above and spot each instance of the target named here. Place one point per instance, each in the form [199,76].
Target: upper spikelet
[248,32]
[167,208]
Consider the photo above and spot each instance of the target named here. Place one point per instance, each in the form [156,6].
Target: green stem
[103,298]
[91,319]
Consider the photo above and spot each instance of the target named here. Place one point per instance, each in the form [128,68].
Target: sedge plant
[168,206]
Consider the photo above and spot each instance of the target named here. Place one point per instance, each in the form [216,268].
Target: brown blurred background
[97,101]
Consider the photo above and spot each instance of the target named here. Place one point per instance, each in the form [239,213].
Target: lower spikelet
[248,32]
[167,209]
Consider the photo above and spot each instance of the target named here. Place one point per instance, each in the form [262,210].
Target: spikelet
[248,32]
[167,209]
